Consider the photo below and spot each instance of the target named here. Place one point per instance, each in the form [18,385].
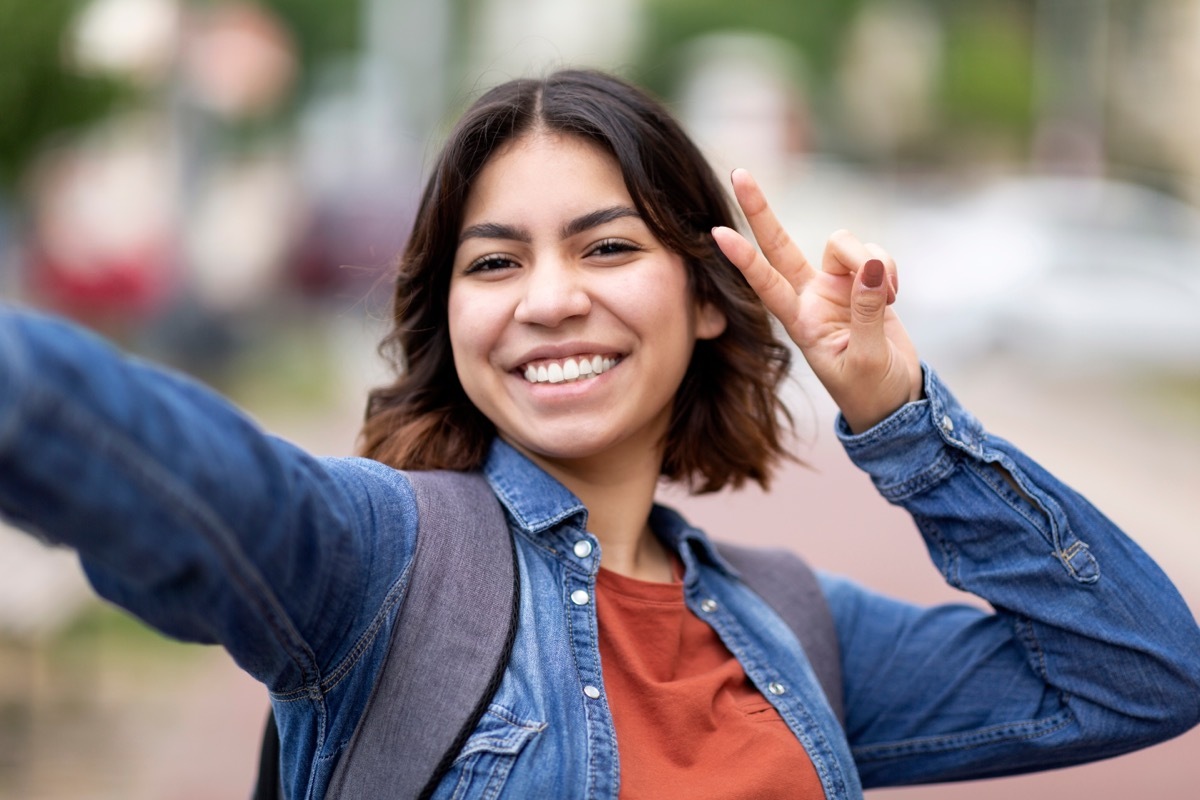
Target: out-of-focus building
[1154,80]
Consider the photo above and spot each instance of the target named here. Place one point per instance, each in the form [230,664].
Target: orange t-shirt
[689,722]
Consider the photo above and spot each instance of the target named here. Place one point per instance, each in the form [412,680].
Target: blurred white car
[1077,272]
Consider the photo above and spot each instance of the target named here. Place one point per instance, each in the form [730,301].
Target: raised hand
[839,316]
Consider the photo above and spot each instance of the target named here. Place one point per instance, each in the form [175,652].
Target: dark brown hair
[727,420]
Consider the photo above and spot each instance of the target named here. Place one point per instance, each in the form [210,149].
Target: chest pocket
[483,765]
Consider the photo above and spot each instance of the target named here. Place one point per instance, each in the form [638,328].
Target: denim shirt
[211,531]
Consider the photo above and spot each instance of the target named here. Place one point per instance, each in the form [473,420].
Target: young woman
[576,317]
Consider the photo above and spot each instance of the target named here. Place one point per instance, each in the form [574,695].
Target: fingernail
[873,273]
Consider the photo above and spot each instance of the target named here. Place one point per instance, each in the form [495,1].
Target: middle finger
[774,241]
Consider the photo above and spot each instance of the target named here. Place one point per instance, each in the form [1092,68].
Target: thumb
[868,302]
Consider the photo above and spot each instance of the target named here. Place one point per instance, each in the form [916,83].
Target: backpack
[461,608]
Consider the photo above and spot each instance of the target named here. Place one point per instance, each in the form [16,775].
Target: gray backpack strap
[788,585]
[449,648]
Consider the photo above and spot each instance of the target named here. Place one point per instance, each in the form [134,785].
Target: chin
[570,446]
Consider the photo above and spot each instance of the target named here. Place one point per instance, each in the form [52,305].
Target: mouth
[568,370]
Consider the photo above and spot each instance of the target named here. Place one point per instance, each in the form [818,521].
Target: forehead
[545,177]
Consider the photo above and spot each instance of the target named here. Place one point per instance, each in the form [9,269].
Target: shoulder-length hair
[727,422]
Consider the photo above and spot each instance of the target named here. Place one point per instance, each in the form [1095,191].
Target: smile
[570,369]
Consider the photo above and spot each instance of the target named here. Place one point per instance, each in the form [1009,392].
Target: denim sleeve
[186,514]
[1089,652]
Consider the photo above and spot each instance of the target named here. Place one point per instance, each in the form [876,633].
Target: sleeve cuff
[918,445]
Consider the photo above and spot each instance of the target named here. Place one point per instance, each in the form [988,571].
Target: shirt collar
[537,502]
[689,542]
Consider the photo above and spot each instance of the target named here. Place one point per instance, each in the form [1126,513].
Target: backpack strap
[448,652]
[789,586]
[450,644]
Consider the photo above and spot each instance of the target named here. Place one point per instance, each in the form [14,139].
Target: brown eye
[611,247]
[489,263]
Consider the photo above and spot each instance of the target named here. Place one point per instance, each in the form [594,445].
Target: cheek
[476,323]
[660,300]
[468,322]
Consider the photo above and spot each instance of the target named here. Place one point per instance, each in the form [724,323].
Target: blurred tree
[985,89]
[40,96]
[816,26]
[322,29]
[987,80]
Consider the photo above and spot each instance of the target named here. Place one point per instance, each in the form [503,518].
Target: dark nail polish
[873,272]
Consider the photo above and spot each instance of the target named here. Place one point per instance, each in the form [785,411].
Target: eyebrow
[592,219]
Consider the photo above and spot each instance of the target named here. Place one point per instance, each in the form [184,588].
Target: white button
[583,548]
[579,597]
[776,688]
[708,605]
[947,423]
[591,691]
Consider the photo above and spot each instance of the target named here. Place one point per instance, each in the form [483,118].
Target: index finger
[773,239]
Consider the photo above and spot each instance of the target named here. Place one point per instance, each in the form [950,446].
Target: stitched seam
[991,478]
[129,455]
[534,526]
[967,740]
[951,565]
[935,473]
[880,432]
[394,596]
[1044,514]
[1024,629]
[797,719]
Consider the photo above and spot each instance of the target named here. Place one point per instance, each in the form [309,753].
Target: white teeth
[569,370]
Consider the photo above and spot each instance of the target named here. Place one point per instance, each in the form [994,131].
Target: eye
[492,262]
[613,247]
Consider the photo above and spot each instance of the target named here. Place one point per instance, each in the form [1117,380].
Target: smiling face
[571,325]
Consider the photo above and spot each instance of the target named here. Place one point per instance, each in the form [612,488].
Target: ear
[710,321]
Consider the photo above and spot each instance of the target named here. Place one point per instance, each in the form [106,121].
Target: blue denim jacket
[190,517]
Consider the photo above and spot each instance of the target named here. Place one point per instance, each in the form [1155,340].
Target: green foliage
[39,96]
[42,97]
[320,29]
[987,81]
[816,26]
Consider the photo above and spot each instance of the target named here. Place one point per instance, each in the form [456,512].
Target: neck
[618,492]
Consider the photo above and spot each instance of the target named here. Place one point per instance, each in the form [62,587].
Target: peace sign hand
[839,316]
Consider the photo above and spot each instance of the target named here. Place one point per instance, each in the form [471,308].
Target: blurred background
[223,186]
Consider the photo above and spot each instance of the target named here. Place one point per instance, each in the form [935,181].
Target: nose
[554,292]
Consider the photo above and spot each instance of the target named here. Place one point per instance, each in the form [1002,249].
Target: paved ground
[187,729]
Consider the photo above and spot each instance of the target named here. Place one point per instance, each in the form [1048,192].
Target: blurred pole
[407,64]
[1070,84]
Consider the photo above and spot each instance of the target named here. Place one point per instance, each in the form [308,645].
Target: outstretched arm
[188,515]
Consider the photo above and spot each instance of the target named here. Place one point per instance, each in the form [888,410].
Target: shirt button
[776,688]
[947,423]
[708,605]
[592,692]
[579,597]
[583,548]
